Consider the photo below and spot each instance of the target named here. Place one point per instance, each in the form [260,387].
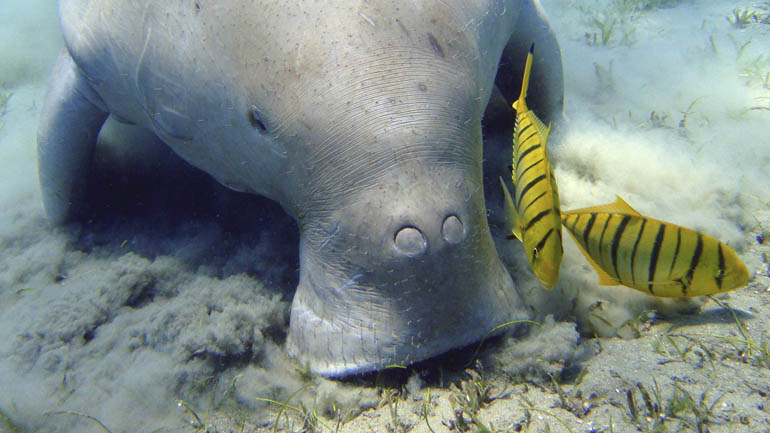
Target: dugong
[361,118]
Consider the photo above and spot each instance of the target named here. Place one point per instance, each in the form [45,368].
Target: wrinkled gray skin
[362,119]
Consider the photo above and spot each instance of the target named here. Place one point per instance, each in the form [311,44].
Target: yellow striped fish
[534,217]
[653,256]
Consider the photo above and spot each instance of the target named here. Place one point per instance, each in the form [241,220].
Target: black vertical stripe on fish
[601,237]
[633,250]
[573,224]
[526,188]
[537,218]
[587,230]
[721,271]
[694,263]
[533,201]
[523,129]
[530,166]
[576,225]
[656,245]
[523,141]
[524,154]
[676,249]
[616,243]
[540,244]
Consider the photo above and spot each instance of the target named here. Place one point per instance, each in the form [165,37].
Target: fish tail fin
[520,105]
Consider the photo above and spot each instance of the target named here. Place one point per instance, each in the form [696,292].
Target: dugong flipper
[69,125]
[362,119]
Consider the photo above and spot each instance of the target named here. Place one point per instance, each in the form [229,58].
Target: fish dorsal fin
[543,130]
[619,207]
[548,169]
[511,217]
[624,207]
[604,278]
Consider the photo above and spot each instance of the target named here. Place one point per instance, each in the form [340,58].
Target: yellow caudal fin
[521,105]
[604,278]
[619,206]
[511,217]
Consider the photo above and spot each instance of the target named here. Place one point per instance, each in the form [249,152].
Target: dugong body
[361,118]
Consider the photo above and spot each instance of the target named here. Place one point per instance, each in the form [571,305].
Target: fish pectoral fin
[511,217]
[604,278]
[619,206]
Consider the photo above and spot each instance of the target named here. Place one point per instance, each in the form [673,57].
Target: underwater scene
[385,216]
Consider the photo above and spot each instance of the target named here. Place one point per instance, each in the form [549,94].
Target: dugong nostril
[410,241]
[453,230]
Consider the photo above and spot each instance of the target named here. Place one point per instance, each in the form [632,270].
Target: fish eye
[535,253]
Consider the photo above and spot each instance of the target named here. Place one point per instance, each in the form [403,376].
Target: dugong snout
[411,242]
[399,277]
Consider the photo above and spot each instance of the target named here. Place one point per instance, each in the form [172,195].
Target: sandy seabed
[168,309]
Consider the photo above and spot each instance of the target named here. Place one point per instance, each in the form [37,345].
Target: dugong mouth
[397,291]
